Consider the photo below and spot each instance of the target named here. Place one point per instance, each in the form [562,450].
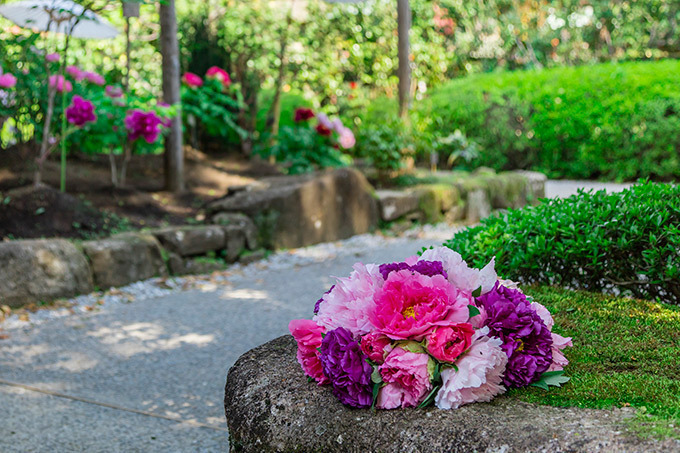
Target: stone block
[191,240]
[395,204]
[242,221]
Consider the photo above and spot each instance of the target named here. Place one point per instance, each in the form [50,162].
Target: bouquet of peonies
[427,330]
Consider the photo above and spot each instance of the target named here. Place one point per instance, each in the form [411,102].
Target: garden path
[149,375]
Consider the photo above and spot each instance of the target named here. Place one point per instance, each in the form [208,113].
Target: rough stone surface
[434,200]
[192,240]
[236,241]
[396,203]
[230,219]
[36,270]
[124,259]
[294,212]
[477,206]
[271,407]
[187,266]
[536,188]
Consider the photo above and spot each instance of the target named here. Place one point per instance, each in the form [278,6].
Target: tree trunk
[174,156]
[404,26]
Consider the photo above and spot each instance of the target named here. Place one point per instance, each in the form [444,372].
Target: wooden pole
[404,72]
[174,154]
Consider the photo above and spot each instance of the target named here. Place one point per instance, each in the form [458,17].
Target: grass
[626,353]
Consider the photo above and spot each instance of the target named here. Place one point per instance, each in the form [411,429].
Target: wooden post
[174,154]
[404,72]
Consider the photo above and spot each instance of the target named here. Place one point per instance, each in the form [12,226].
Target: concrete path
[149,375]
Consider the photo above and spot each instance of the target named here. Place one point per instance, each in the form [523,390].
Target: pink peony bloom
[375,346]
[346,138]
[95,78]
[52,57]
[559,361]
[113,91]
[7,81]
[143,124]
[60,83]
[192,80]
[459,273]
[479,375]
[75,72]
[80,112]
[307,333]
[447,343]
[220,74]
[407,377]
[409,305]
[337,125]
[350,302]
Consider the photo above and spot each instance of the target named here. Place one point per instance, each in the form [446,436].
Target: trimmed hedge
[627,242]
[611,121]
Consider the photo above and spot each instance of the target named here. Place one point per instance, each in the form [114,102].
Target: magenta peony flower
[52,57]
[346,138]
[375,345]
[350,303]
[75,72]
[410,304]
[303,114]
[323,130]
[192,80]
[459,273]
[407,379]
[7,80]
[220,74]
[526,340]
[478,377]
[95,78]
[113,91]
[345,366]
[429,268]
[558,342]
[308,336]
[60,83]
[80,112]
[447,343]
[325,126]
[143,124]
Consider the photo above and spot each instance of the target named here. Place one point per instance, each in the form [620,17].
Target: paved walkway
[149,375]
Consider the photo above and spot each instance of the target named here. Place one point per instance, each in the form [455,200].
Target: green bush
[611,121]
[626,242]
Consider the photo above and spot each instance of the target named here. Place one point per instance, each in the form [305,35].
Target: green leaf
[477,292]
[551,378]
[376,377]
[474,311]
[376,391]
[429,400]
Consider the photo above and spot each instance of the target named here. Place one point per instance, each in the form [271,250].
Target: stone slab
[395,204]
[191,240]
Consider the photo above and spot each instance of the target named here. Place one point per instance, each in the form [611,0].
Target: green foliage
[385,145]
[611,121]
[626,353]
[624,242]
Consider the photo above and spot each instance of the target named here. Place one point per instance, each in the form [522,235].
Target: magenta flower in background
[80,112]
[307,334]
[303,114]
[143,124]
[95,78]
[220,74]
[192,80]
[113,91]
[7,80]
[60,83]
[407,379]
[345,366]
[75,72]
[52,57]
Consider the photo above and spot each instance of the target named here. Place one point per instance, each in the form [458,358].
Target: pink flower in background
[113,91]
[220,74]
[479,374]
[407,379]
[7,81]
[337,125]
[60,83]
[143,124]
[346,138]
[459,273]
[307,334]
[95,78]
[80,112]
[409,305]
[447,343]
[75,72]
[192,80]
[375,345]
[52,57]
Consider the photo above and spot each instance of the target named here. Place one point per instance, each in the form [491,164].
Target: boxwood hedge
[626,243]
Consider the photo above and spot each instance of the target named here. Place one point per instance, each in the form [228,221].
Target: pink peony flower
[95,78]
[479,375]
[447,343]
[80,112]
[459,273]
[559,361]
[60,83]
[350,302]
[192,80]
[410,304]
[346,138]
[143,124]
[7,81]
[113,91]
[75,72]
[307,333]
[52,57]
[407,377]
[375,346]
[220,74]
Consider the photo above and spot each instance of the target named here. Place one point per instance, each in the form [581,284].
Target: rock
[271,407]
[434,200]
[235,242]
[252,257]
[42,270]
[124,258]
[240,220]
[200,265]
[304,210]
[508,190]
[478,206]
[396,203]
[536,188]
[191,240]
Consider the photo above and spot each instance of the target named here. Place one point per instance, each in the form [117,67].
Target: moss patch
[626,353]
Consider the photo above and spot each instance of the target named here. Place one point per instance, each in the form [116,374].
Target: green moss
[436,199]
[626,353]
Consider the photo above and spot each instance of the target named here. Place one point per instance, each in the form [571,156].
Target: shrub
[624,242]
[613,121]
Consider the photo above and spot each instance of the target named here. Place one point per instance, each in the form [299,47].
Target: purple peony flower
[429,268]
[80,112]
[527,341]
[143,124]
[318,302]
[345,366]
